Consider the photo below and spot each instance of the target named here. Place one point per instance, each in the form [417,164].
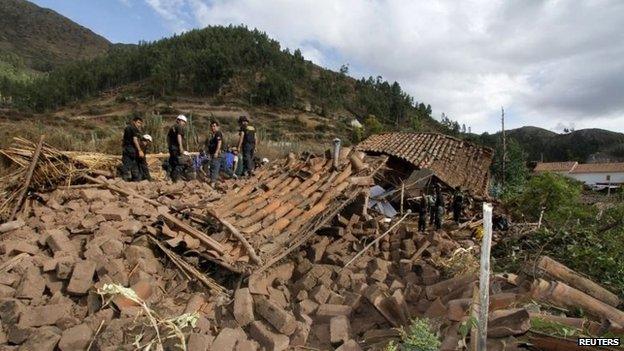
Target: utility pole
[504,144]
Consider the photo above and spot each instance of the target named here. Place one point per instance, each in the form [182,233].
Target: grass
[421,335]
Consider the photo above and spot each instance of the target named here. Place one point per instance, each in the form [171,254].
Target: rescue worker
[432,209]
[230,159]
[247,143]
[458,204]
[213,146]
[439,208]
[146,141]
[175,143]
[131,150]
[422,213]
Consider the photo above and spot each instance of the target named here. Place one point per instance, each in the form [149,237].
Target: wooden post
[402,195]
[484,279]
[504,143]
[29,175]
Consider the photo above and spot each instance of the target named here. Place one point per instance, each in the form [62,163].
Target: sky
[552,64]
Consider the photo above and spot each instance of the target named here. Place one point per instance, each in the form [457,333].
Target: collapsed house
[453,162]
[291,258]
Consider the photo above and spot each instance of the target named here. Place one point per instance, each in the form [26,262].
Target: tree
[372,125]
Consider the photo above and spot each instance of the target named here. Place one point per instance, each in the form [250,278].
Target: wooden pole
[29,174]
[402,195]
[484,279]
[568,276]
[504,144]
[250,250]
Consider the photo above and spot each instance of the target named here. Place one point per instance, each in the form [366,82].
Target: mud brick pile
[71,243]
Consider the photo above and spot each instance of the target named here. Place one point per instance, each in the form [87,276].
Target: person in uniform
[175,143]
[146,141]
[214,145]
[131,151]
[247,143]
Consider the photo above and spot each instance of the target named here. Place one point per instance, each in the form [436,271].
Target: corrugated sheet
[599,168]
[454,161]
[555,166]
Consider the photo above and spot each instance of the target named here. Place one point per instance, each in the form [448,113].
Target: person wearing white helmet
[175,142]
[146,141]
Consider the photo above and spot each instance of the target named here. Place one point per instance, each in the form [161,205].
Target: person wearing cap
[175,143]
[146,141]
[214,145]
[131,150]
[247,143]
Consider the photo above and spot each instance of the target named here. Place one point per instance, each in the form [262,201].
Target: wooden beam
[250,250]
[192,231]
[29,174]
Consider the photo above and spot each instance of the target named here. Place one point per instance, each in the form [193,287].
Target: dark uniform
[143,167]
[422,213]
[215,161]
[130,155]
[175,167]
[439,209]
[249,148]
[458,204]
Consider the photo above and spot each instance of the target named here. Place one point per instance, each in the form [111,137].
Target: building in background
[594,175]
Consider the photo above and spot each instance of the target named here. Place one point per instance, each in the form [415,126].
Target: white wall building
[596,175]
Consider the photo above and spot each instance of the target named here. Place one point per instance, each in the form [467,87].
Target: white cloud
[548,62]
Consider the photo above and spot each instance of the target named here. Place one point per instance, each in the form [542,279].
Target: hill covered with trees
[40,39]
[224,64]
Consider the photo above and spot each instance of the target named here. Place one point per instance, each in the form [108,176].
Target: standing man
[247,143]
[131,151]
[146,141]
[439,210]
[422,213]
[175,142]
[214,152]
[458,204]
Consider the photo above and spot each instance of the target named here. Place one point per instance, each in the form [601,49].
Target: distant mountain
[43,39]
[585,145]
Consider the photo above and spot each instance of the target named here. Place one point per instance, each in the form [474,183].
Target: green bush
[274,90]
[419,336]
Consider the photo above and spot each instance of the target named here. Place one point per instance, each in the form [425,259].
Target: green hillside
[223,65]
[43,39]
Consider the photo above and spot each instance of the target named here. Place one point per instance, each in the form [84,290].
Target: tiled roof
[283,205]
[555,166]
[454,161]
[599,168]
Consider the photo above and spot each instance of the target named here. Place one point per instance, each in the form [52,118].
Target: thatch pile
[54,168]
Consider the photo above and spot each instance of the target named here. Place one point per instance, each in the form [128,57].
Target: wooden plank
[29,174]
[215,245]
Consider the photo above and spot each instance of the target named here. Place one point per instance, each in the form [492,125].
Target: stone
[503,323]
[75,338]
[31,285]
[42,339]
[349,345]
[10,311]
[247,345]
[227,339]
[11,248]
[58,241]
[326,311]
[143,289]
[44,315]
[64,267]
[198,342]
[195,303]
[112,212]
[17,334]
[280,319]
[243,307]
[307,306]
[112,248]
[320,294]
[6,291]
[267,338]
[82,278]
[130,226]
[90,195]
[339,329]
[300,336]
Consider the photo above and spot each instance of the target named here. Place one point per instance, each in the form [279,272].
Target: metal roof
[454,161]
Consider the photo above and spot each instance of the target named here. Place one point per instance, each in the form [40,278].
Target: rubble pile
[291,258]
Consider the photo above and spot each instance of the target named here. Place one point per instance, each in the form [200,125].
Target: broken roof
[454,161]
[599,168]
[555,166]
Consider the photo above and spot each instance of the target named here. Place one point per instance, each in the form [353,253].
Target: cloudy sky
[552,64]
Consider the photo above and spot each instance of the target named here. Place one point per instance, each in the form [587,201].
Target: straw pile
[55,168]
